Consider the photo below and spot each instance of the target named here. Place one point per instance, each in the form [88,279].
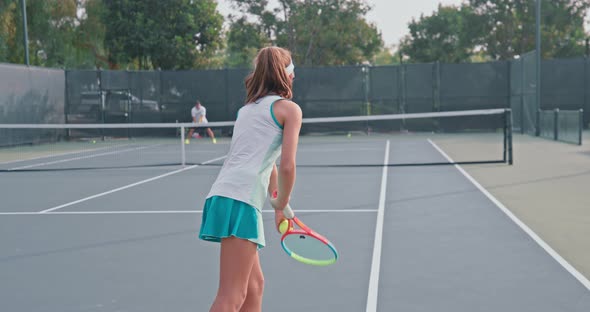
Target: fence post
[581,127]
[555,124]
[67,102]
[160,98]
[367,86]
[537,126]
[522,80]
[182,150]
[586,90]
[101,100]
[436,87]
[226,93]
[403,84]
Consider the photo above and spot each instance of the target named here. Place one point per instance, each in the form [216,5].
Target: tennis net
[440,138]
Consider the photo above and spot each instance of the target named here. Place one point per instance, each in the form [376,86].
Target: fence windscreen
[30,94]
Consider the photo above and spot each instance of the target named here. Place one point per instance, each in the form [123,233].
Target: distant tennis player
[199,115]
[267,127]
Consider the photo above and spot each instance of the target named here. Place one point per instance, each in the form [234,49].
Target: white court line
[169,212]
[81,157]
[54,155]
[129,186]
[322,150]
[376,262]
[581,278]
[175,152]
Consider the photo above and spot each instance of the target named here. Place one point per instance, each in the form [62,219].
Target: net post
[182,150]
[508,136]
[505,140]
[556,124]
[580,126]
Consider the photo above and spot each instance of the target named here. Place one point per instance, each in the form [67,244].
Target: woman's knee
[256,285]
[232,298]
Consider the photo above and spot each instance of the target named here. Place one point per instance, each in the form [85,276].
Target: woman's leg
[253,302]
[236,261]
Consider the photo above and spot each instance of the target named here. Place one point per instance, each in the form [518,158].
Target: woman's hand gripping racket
[304,244]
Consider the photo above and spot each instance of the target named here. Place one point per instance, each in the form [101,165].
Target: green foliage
[173,34]
[52,32]
[386,56]
[243,39]
[183,34]
[7,26]
[496,29]
[449,35]
[89,37]
[88,33]
[510,27]
[3,49]
[318,32]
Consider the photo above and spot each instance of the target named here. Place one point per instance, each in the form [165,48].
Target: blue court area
[415,238]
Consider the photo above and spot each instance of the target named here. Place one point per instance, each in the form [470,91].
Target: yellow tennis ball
[349,135]
[93,142]
[283,226]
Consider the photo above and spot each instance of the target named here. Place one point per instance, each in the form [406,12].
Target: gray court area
[126,239]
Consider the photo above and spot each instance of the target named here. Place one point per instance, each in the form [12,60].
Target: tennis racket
[306,245]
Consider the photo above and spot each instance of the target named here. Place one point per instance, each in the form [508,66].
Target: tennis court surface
[94,223]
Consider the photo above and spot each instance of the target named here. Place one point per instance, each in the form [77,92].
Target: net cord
[231,123]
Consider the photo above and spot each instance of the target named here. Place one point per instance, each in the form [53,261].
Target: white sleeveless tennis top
[254,149]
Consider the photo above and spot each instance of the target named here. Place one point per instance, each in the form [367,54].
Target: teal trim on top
[273,114]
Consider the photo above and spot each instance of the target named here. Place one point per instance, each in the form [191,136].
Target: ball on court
[349,135]
[93,142]
[283,226]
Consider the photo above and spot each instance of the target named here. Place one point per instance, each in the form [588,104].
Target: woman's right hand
[277,203]
[279,216]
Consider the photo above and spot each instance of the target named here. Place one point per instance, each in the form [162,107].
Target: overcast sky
[393,16]
[390,16]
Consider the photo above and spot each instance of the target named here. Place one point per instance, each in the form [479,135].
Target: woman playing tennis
[267,127]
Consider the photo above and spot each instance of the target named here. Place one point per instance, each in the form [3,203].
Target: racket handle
[288,212]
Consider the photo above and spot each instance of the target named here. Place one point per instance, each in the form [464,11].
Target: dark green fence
[40,95]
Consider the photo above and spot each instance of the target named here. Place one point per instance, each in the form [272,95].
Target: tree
[51,31]
[510,26]
[90,36]
[449,35]
[386,56]
[318,32]
[173,34]
[7,29]
[243,41]
[497,30]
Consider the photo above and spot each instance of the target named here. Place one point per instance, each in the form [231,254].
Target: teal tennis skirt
[224,217]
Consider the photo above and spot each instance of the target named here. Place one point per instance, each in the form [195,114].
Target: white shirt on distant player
[197,113]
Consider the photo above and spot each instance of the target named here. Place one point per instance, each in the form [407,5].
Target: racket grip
[288,212]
